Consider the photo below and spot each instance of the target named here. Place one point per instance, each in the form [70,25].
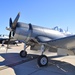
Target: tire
[23,53]
[42,60]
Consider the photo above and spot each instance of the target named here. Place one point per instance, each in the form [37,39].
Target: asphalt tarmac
[12,64]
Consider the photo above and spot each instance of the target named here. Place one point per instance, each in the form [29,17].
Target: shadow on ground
[14,60]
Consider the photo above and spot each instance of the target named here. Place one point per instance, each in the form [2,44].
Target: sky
[45,13]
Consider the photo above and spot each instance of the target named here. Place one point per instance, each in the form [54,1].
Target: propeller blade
[9,35]
[8,41]
[10,22]
[15,21]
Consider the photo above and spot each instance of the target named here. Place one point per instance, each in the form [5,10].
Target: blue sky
[47,13]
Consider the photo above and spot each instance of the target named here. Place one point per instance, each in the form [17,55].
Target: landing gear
[23,53]
[43,59]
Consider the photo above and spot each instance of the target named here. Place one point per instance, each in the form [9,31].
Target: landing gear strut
[43,59]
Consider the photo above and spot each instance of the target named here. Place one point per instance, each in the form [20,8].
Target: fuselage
[22,32]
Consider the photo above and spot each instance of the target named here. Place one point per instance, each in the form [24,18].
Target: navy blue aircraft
[40,38]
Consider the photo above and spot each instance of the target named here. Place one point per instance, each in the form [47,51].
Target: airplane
[4,40]
[40,38]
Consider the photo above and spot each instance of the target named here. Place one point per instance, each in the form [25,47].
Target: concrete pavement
[12,64]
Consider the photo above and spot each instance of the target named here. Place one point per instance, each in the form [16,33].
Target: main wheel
[23,53]
[42,60]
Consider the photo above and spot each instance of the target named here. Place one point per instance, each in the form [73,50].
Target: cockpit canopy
[63,31]
[59,29]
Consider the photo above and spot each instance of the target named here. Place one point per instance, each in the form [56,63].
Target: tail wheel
[23,53]
[42,60]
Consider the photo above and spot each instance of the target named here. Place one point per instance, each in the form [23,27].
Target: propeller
[12,27]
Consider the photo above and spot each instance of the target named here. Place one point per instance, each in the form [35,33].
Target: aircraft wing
[66,42]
